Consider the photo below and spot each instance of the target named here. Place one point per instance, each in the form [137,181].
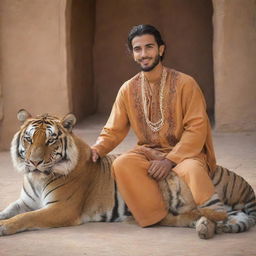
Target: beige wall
[81,19]
[235,64]
[53,53]
[33,68]
[186,27]
[1,104]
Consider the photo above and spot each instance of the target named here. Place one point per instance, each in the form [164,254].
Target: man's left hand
[159,169]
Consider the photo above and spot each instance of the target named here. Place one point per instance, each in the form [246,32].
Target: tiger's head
[44,145]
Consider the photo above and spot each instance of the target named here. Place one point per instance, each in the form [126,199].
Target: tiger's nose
[36,163]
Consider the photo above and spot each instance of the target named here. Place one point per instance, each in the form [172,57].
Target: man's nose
[143,53]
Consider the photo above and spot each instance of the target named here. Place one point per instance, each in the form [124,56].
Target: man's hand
[159,169]
[95,155]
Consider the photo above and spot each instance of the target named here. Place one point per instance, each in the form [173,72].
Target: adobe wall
[81,19]
[235,64]
[186,27]
[56,54]
[33,68]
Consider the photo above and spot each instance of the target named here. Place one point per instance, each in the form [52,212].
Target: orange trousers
[141,192]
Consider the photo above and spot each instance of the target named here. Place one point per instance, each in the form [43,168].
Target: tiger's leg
[13,209]
[195,174]
[205,228]
[181,220]
[49,217]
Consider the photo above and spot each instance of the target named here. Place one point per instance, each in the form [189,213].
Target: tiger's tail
[240,220]
[250,209]
[239,201]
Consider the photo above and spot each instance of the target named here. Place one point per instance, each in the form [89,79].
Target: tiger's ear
[69,121]
[23,115]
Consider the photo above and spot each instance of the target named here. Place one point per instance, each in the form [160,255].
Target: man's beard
[154,64]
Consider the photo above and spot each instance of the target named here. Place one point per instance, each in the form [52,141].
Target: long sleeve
[116,127]
[195,123]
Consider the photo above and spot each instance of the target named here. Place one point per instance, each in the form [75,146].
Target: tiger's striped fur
[238,198]
[233,195]
[62,187]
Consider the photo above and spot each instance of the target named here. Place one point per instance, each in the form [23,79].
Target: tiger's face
[44,145]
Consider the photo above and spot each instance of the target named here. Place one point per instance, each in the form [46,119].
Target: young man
[167,111]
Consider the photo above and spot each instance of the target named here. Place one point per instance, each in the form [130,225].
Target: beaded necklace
[154,126]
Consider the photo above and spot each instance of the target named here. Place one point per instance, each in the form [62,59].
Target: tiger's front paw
[205,228]
[8,227]
[2,228]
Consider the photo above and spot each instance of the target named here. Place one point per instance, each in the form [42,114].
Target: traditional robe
[186,133]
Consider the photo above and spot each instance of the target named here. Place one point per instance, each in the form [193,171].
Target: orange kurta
[186,132]
[185,139]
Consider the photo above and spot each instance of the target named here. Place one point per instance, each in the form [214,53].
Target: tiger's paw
[7,228]
[2,228]
[205,228]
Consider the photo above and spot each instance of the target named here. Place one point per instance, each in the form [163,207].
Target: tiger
[62,186]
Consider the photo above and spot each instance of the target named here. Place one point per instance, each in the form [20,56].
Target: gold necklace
[154,126]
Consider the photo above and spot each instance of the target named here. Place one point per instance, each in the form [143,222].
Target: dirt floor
[235,151]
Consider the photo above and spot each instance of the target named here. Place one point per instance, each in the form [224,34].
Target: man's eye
[136,49]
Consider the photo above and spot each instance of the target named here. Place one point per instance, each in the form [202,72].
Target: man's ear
[23,115]
[69,121]
[161,50]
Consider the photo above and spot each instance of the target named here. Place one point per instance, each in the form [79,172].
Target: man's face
[146,52]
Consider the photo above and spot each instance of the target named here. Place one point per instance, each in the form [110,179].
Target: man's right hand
[159,169]
[95,155]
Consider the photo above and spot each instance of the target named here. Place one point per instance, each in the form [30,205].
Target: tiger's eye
[50,141]
[28,139]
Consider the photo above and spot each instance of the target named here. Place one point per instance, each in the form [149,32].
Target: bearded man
[167,111]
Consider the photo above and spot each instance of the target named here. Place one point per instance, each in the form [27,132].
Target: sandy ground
[234,150]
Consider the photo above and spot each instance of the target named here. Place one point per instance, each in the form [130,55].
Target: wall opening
[101,62]
[81,15]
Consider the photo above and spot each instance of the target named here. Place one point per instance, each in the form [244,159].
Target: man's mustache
[145,58]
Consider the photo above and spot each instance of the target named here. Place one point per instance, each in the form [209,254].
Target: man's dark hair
[142,29]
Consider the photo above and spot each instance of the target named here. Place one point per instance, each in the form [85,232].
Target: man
[167,111]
